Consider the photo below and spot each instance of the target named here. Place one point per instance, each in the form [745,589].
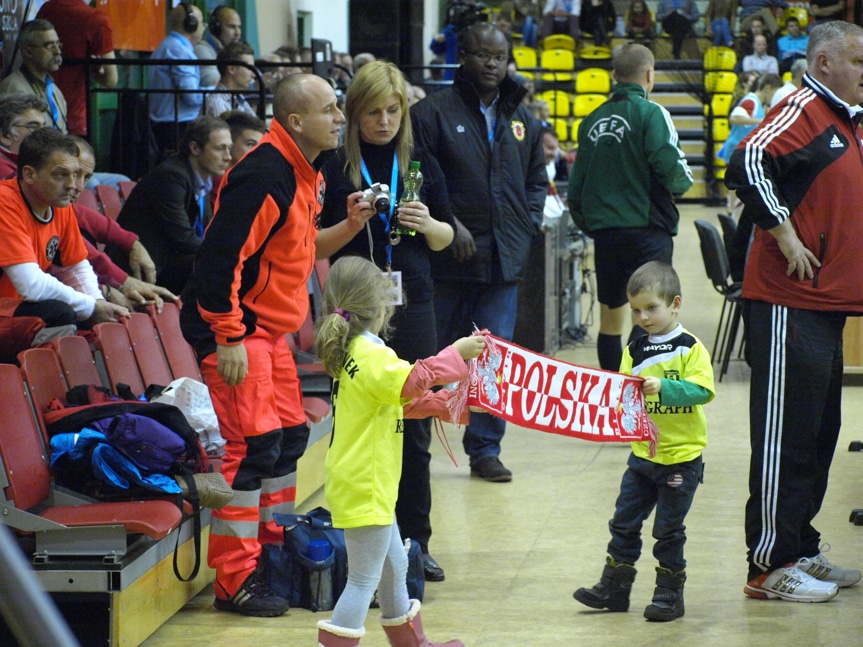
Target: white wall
[329,21]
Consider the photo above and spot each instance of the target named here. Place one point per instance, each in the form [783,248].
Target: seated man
[792,45]
[224,28]
[135,291]
[233,77]
[39,234]
[40,52]
[20,115]
[760,61]
[246,131]
[168,208]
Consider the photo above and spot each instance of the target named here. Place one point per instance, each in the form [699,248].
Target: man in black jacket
[170,206]
[489,147]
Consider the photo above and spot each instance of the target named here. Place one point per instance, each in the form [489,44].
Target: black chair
[719,272]
[729,230]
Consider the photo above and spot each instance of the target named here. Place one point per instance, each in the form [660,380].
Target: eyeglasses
[51,44]
[29,126]
[485,57]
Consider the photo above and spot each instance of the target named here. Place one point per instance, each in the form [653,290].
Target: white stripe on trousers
[772,437]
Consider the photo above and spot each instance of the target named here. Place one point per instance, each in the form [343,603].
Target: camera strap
[394,183]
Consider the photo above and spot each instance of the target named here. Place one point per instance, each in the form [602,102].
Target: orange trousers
[265,431]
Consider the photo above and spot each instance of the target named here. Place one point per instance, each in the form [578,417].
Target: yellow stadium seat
[558,101]
[593,80]
[719,58]
[797,12]
[720,82]
[559,41]
[594,52]
[586,103]
[525,57]
[575,124]
[561,127]
[721,104]
[559,62]
[720,129]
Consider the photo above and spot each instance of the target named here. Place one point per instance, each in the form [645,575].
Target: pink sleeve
[433,404]
[447,366]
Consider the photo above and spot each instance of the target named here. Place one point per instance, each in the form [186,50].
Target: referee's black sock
[610,351]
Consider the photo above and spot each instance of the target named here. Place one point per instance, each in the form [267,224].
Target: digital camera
[378,195]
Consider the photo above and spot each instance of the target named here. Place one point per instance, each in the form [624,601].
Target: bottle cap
[319,550]
[414,165]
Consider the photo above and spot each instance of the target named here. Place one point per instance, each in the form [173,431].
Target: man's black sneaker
[253,599]
[489,468]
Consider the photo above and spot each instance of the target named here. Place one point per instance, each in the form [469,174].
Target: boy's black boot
[612,591]
[667,601]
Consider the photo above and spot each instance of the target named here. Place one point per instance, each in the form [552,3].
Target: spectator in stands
[560,17]
[170,114]
[249,290]
[762,8]
[746,83]
[130,291]
[40,53]
[361,59]
[749,112]
[745,45]
[719,20]
[85,33]
[677,18]
[622,188]
[168,208]
[233,77]
[224,27]
[827,10]
[527,17]
[343,72]
[39,233]
[20,115]
[444,44]
[378,148]
[540,109]
[791,46]
[798,67]
[555,167]
[597,19]
[497,183]
[246,131]
[639,22]
[760,61]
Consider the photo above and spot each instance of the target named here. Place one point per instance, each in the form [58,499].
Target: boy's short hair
[655,276]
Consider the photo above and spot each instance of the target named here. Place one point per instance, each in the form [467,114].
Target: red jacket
[258,252]
[804,162]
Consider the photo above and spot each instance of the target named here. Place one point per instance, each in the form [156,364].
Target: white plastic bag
[193,399]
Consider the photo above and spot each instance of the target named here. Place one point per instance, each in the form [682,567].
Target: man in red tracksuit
[795,174]
[247,290]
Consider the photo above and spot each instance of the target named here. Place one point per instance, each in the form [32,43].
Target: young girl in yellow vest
[373,391]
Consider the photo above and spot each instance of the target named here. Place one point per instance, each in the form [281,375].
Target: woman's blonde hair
[354,294]
[373,84]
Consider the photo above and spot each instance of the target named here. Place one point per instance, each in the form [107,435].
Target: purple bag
[150,444]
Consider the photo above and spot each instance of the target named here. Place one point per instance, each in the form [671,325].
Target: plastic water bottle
[321,581]
[413,181]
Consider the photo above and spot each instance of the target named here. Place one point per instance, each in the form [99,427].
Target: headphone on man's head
[215,25]
[190,22]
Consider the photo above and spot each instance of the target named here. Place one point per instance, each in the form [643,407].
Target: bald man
[247,291]
[169,115]
[224,28]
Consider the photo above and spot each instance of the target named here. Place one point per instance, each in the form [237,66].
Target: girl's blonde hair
[354,294]
[373,84]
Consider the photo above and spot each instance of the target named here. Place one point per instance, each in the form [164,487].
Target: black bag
[288,569]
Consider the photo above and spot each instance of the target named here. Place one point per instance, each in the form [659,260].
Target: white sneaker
[819,568]
[792,584]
